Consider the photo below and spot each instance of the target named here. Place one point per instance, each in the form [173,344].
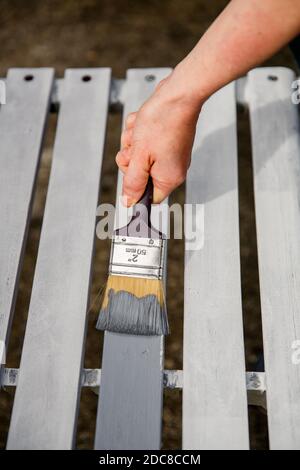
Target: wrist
[187,86]
[175,90]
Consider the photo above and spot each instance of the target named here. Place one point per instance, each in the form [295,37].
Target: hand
[157,141]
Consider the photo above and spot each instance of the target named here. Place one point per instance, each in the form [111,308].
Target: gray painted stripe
[130,402]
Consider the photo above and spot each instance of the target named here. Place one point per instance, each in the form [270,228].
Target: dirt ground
[123,34]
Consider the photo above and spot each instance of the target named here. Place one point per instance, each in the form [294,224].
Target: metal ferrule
[137,257]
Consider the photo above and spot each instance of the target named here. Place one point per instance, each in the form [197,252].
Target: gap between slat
[258,428]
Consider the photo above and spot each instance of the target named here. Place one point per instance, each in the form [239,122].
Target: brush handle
[140,223]
[146,201]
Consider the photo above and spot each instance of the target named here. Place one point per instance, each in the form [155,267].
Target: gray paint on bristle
[126,313]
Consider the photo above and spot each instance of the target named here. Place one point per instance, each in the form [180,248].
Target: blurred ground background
[123,34]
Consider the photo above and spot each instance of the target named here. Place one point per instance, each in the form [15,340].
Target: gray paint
[214,390]
[276,152]
[46,401]
[130,402]
[22,123]
[126,313]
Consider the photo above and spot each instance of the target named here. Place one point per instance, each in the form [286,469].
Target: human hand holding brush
[158,138]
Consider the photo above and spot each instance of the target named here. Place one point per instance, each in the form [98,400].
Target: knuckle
[179,179]
[171,182]
[133,185]
[122,158]
[130,189]
[118,158]
[130,119]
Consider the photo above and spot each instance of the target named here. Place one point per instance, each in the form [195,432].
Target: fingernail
[158,196]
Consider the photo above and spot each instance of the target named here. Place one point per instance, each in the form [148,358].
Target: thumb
[135,180]
[159,193]
[165,179]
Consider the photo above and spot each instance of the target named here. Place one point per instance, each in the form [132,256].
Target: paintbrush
[133,300]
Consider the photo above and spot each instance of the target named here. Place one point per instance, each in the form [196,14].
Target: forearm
[245,34]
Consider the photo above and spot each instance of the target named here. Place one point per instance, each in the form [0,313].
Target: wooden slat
[214,389]
[276,153]
[130,402]
[22,123]
[46,401]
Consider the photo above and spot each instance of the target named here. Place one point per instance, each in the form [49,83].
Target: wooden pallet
[214,381]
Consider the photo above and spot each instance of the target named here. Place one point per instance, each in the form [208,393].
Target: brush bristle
[134,306]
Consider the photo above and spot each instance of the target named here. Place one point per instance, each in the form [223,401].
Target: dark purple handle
[140,224]
[146,201]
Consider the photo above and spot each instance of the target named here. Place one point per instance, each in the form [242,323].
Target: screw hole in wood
[150,78]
